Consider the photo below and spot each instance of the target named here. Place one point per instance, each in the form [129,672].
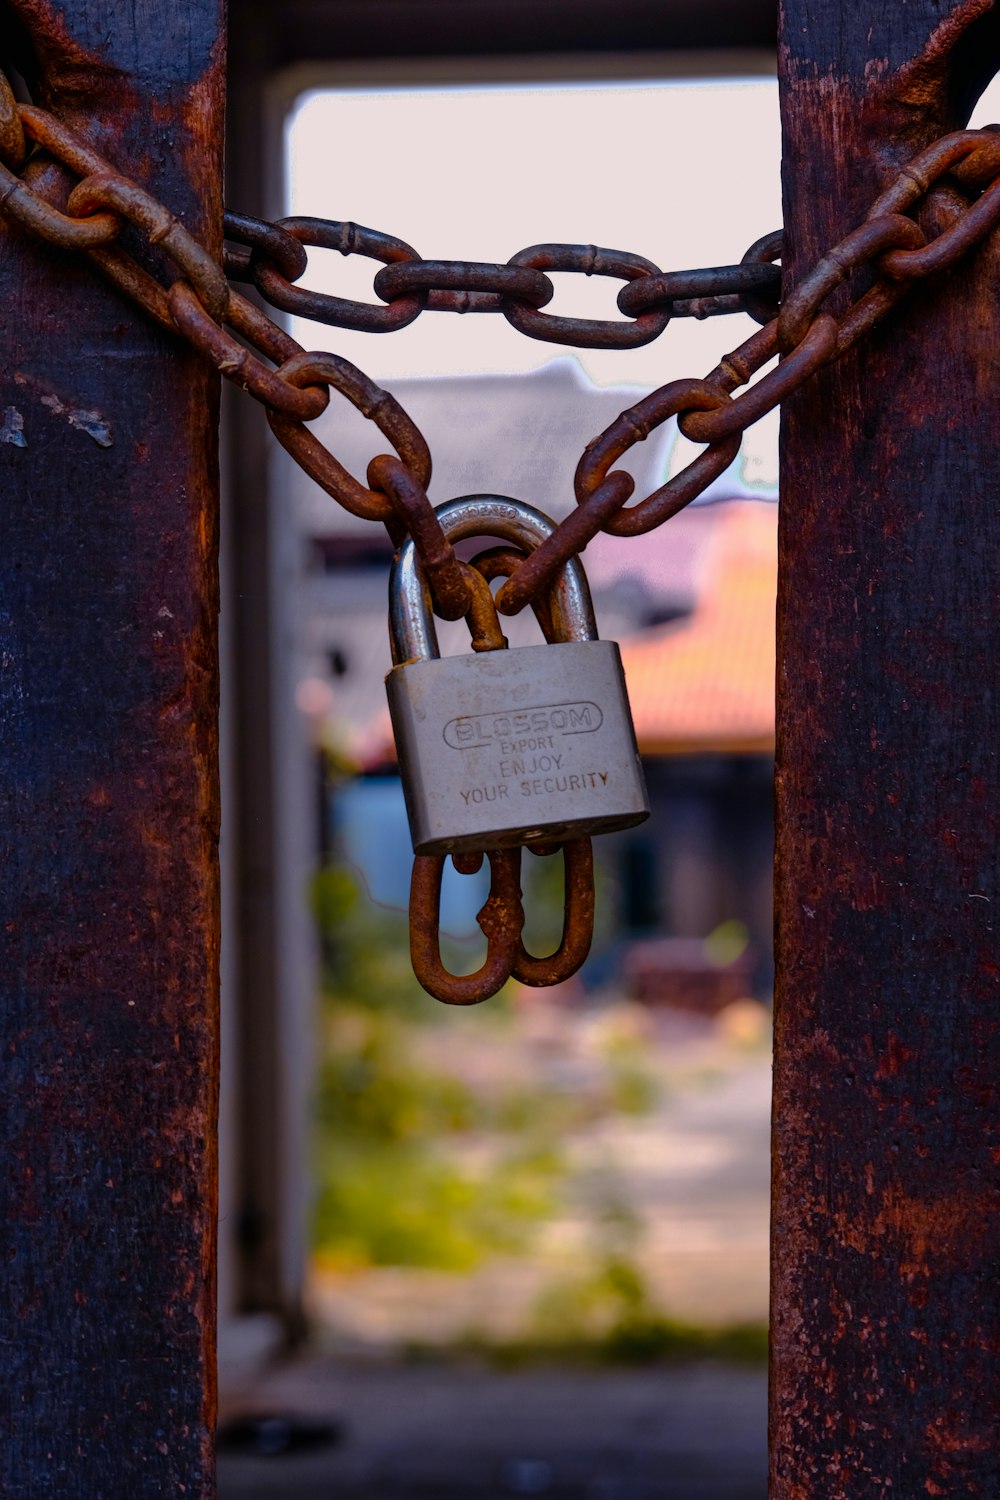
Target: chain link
[501,920]
[876,264]
[518,288]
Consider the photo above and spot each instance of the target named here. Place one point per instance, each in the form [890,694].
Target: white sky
[685,173]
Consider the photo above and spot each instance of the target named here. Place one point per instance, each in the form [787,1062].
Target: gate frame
[109,890]
[887,1159]
[885,1309]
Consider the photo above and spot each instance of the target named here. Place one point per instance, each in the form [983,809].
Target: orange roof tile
[707,682]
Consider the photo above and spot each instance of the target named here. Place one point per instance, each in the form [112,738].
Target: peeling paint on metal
[885,1300]
[90,422]
[12,428]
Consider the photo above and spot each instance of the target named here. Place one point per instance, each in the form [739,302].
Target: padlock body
[524,746]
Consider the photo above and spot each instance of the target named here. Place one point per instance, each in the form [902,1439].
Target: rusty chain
[273,256]
[877,264]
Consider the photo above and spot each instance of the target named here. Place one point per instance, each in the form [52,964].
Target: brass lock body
[503,748]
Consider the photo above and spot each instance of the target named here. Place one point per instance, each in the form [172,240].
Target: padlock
[500,748]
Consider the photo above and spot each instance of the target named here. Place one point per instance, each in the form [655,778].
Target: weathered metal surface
[311,31]
[886,1303]
[108,823]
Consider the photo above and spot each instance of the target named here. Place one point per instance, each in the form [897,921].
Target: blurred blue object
[368,817]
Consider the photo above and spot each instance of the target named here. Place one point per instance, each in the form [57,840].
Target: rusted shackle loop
[501,919]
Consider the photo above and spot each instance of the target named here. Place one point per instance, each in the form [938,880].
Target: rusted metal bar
[886,1304]
[108,823]
[314,31]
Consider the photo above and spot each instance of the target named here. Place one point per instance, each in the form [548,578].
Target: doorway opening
[578,1177]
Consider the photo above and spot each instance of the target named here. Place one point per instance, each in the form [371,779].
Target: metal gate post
[886,1300]
[108,817]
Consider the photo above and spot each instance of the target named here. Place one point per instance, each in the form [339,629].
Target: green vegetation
[726,943]
[399,1208]
[652,1339]
[437,1146]
[390,1192]
[606,1312]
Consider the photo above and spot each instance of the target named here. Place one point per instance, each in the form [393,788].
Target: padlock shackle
[411,619]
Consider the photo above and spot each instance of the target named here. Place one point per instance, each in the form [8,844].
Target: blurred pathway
[692,1175]
[438,1432]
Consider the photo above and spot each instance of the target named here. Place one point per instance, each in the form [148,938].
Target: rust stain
[885,1302]
[12,428]
[108,871]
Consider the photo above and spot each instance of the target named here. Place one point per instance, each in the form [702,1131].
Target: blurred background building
[580,1172]
[553,1148]
[693,609]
